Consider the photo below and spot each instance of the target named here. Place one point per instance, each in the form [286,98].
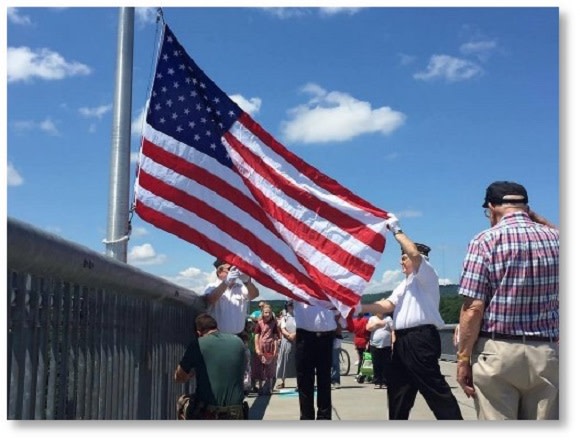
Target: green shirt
[219,363]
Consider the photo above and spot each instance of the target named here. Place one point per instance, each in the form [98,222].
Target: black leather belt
[522,338]
[317,333]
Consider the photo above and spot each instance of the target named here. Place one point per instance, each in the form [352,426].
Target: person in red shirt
[361,338]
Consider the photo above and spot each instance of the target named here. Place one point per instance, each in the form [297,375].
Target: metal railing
[448,351]
[90,337]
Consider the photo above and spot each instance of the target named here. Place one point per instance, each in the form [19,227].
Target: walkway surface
[353,401]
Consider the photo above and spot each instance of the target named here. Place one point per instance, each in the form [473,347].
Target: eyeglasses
[487,212]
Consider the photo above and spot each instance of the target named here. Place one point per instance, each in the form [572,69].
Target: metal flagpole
[118,219]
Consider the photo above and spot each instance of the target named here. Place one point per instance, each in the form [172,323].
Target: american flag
[211,175]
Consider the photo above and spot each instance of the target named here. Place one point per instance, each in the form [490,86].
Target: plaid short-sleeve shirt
[514,268]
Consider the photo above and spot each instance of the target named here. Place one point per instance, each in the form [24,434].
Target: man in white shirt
[315,330]
[417,347]
[229,296]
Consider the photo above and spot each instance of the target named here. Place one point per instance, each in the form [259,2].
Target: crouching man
[217,361]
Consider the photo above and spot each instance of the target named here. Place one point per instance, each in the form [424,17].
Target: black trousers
[415,368]
[381,365]
[360,352]
[314,360]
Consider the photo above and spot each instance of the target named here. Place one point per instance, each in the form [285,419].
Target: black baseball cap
[219,262]
[505,192]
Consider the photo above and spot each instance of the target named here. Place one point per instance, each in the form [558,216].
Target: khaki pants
[515,380]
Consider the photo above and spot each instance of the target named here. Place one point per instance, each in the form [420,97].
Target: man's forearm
[469,326]
[252,290]
[180,376]
[380,307]
[217,292]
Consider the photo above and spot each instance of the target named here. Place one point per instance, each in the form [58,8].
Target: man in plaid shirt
[508,353]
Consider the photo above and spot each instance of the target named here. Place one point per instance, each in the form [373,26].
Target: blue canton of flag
[186,105]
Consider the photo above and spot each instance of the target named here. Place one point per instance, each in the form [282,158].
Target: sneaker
[337,386]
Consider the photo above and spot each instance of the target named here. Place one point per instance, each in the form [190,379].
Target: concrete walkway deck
[353,401]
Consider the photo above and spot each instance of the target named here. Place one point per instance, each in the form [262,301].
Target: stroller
[366,369]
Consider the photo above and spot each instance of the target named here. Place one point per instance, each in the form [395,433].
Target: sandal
[281,386]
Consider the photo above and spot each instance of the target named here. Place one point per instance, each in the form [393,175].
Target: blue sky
[416,110]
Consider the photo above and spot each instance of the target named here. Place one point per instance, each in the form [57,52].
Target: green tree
[449,307]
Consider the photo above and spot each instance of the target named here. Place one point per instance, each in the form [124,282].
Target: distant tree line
[449,305]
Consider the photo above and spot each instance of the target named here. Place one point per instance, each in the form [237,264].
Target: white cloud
[337,116]
[48,126]
[190,272]
[145,255]
[408,214]
[145,16]
[388,281]
[95,112]
[251,106]
[336,11]
[139,232]
[405,59]
[449,68]
[193,278]
[138,122]
[23,125]
[15,17]
[136,131]
[481,49]
[25,64]
[286,13]
[13,178]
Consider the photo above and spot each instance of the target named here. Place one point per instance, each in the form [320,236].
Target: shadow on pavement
[259,406]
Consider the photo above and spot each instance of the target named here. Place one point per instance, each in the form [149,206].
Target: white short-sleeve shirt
[314,318]
[231,308]
[416,299]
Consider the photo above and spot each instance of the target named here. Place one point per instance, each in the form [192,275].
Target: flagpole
[118,218]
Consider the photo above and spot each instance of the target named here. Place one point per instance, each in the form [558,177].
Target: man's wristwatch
[463,357]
